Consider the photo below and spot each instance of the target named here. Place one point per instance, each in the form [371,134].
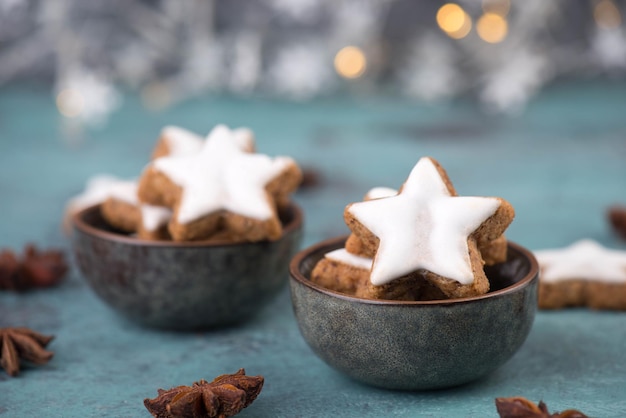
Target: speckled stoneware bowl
[191,285]
[416,345]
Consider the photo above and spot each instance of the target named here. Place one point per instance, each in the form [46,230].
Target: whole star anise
[22,344]
[224,397]
[9,269]
[518,407]
[35,269]
[311,178]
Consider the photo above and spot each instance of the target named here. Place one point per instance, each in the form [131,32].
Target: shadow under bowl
[183,285]
[416,345]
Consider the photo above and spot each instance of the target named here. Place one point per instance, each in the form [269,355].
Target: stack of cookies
[423,242]
[213,189]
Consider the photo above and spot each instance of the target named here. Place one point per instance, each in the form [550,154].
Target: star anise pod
[22,344]
[617,219]
[9,270]
[311,178]
[518,407]
[35,269]
[224,397]
[43,268]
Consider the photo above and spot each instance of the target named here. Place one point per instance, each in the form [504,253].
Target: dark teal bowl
[184,285]
[416,345]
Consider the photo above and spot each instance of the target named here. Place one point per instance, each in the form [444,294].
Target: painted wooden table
[560,163]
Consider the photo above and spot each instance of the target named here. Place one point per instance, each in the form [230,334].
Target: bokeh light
[607,15]
[70,103]
[492,28]
[454,21]
[350,62]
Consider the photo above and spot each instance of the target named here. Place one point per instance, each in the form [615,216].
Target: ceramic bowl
[186,285]
[416,345]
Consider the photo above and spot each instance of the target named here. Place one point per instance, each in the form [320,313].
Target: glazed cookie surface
[123,211]
[343,272]
[493,250]
[585,274]
[97,190]
[223,187]
[174,140]
[121,208]
[424,241]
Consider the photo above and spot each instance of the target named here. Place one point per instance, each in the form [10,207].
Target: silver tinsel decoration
[499,51]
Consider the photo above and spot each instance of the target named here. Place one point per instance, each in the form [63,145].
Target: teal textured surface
[560,164]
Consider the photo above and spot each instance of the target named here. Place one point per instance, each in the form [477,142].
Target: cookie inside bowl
[416,345]
[501,275]
[92,220]
[183,285]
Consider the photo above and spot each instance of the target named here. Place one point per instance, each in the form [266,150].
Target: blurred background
[499,53]
[522,99]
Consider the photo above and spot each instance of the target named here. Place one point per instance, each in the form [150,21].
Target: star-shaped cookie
[120,207]
[493,251]
[585,259]
[97,190]
[426,228]
[223,185]
[343,272]
[123,211]
[174,140]
[582,274]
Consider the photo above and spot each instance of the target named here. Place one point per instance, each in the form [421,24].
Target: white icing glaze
[126,191]
[222,176]
[244,138]
[181,141]
[423,227]
[343,256]
[97,190]
[101,187]
[153,217]
[585,259]
[380,192]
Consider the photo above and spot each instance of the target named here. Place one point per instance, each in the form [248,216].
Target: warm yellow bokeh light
[499,7]
[70,103]
[465,29]
[350,62]
[450,17]
[607,15]
[453,20]
[492,28]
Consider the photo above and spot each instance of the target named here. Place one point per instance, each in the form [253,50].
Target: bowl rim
[333,243]
[79,224]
